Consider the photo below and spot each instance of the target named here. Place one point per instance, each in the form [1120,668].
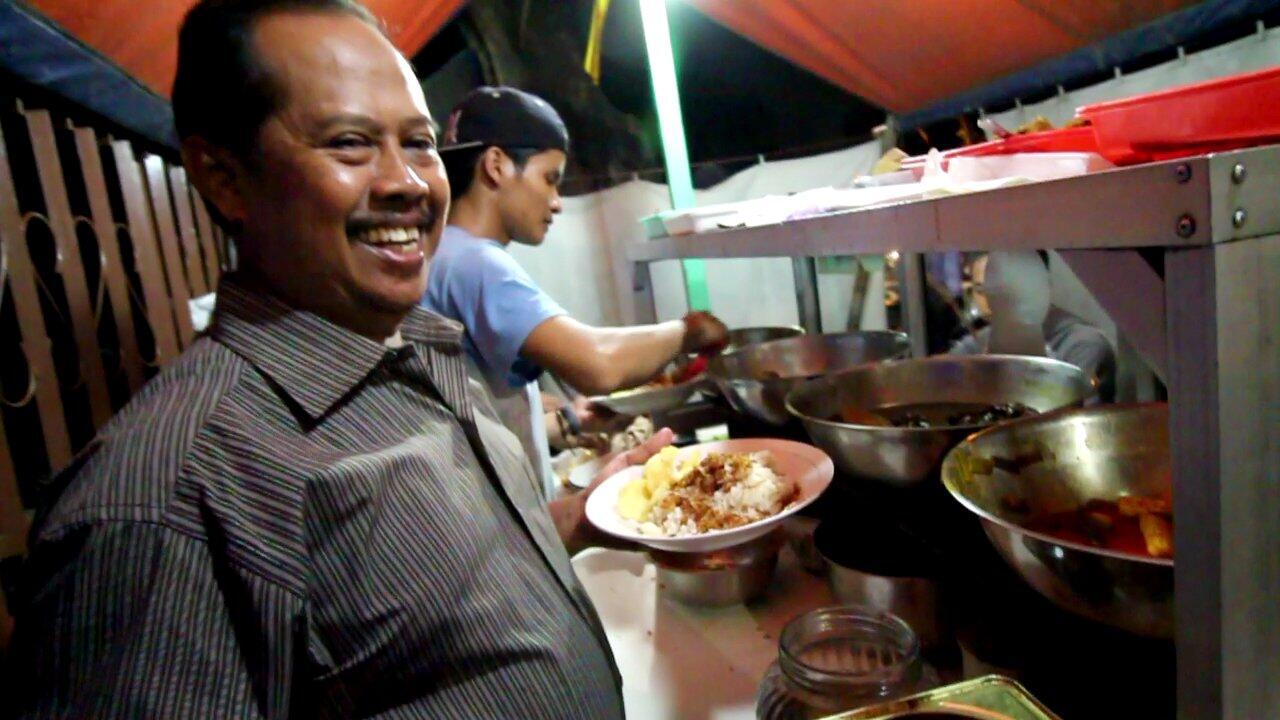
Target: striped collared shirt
[296,521]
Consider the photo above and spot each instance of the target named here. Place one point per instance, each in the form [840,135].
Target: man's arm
[570,513]
[596,361]
[131,620]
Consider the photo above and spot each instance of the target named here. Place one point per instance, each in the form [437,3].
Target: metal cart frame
[1185,256]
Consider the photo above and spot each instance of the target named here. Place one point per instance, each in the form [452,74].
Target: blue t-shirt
[476,282]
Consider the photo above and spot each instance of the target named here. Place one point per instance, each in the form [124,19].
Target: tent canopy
[923,59]
[905,56]
[141,36]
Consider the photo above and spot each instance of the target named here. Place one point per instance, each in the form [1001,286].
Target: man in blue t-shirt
[505,152]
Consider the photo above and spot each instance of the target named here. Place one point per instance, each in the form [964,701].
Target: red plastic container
[1223,114]
[1072,139]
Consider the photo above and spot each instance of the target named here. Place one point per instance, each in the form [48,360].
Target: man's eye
[424,143]
[348,142]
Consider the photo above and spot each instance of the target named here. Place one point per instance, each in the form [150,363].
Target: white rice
[760,495]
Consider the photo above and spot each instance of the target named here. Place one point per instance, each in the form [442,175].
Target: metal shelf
[1168,204]
[1185,257]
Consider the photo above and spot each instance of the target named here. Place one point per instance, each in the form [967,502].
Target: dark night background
[738,99]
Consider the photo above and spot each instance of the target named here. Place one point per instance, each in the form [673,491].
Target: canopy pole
[675,153]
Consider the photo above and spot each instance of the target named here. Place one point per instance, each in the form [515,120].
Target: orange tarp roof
[141,36]
[906,54]
[900,54]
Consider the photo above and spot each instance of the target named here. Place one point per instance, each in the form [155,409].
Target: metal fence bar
[35,340]
[187,230]
[146,252]
[113,271]
[70,266]
[179,291]
[13,522]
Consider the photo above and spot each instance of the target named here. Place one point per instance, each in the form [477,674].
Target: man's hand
[596,418]
[598,424]
[703,332]
[569,514]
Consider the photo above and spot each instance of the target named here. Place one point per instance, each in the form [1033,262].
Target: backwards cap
[505,117]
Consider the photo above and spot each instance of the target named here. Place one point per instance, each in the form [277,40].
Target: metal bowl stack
[905,456]
[756,379]
[1014,473]
[729,576]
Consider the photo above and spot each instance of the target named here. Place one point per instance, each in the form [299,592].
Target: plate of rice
[710,496]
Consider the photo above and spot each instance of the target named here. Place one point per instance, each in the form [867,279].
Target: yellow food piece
[1158,533]
[1039,124]
[633,503]
[889,162]
[662,472]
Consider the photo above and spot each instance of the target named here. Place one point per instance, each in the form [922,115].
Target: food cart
[1185,254]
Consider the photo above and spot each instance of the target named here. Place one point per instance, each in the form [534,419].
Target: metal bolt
[1238,173]
[1186,226]
[1182,172]
[1238,217]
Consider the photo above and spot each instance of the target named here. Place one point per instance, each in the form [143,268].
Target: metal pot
[896,576]
[756,379]
[730,576]
[907,456]
[1013,473]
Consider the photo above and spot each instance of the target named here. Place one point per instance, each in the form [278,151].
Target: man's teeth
[389,236]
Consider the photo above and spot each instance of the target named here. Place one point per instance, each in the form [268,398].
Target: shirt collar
[315,362]
[455,233]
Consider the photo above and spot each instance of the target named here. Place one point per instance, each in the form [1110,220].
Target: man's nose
[398,179]
[556,204]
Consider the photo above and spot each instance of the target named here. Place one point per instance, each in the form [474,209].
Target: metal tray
[992,697]
[645,401]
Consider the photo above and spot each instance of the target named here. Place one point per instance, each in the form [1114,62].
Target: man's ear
[494,166]
[217,175]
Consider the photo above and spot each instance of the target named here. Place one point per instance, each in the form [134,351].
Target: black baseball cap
[505,117]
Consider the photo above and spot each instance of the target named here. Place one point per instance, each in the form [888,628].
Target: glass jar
[840,658]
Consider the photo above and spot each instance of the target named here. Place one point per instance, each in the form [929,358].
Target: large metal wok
[903,456]
[742,337]
[756,379]
[1012,473]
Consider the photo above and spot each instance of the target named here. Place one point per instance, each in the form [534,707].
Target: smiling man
[313,512]
[505,151]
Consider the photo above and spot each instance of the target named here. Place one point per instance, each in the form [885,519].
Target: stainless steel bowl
[908,456]
[731,576]
[742,337]
[1012,473]
[869,569]
[756,379]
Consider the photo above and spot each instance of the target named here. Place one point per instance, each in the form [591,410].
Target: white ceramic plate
[807,466]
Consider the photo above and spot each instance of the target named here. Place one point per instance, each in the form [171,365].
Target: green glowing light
[666,94]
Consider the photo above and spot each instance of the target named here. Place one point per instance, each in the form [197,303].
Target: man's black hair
[222,92]
[460,165]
